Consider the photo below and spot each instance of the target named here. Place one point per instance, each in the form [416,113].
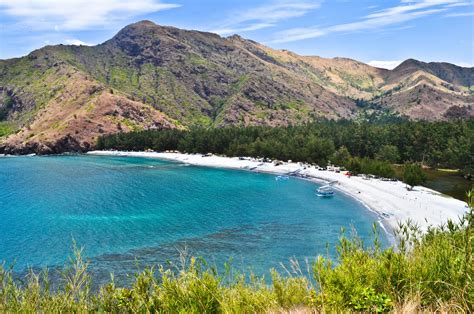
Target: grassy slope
[51,99]
[195,84]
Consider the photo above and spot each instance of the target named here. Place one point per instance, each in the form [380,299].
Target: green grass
[361,82]
[428,272]
[195,59]
[6,128]
[296,104]
[240,84]
[448,170]
[131,125]
[261,115]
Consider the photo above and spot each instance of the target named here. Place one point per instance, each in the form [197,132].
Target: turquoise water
[125,211]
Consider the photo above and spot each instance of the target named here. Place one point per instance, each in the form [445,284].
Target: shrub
[370,166]
[413,175]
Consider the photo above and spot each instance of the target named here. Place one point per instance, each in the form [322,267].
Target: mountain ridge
[151,76]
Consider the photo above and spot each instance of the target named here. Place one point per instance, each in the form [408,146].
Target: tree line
[356,145]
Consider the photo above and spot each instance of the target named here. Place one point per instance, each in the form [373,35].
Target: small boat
[325,191]
[282,178]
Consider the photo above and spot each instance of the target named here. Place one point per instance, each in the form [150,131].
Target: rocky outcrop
[65,144]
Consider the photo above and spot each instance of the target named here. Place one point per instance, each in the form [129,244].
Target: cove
[126,210]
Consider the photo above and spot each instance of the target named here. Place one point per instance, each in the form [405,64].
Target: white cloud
[463,14]
[411,6]
[265,16]
[406,11]
[464,64]
[391,64]
[460,4]
[78,14]
[76,42]
[252,27]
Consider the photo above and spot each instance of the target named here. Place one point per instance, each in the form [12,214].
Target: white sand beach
[390,200]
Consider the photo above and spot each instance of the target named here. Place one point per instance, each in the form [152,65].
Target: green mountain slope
[61,98]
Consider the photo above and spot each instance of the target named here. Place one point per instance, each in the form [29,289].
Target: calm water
[450,183]
[125,211]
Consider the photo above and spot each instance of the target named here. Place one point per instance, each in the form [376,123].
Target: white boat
[325,191]
[281,178]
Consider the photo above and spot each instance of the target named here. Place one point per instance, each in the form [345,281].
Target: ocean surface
[130,212]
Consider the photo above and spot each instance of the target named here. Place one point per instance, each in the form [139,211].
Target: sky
[381,33]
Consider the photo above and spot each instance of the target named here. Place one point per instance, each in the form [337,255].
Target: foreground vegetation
[433,271]
[371,145]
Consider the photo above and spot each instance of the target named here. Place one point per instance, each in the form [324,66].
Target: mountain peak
[235,37]
[138,26]
[141,24]
[409,63]
[145,23]
[134,38]
[448,72]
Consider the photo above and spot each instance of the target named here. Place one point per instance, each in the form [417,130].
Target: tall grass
[427,272]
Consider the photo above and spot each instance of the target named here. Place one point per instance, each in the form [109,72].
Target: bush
[341,156]
[413,175]
[8,104]
[370,166]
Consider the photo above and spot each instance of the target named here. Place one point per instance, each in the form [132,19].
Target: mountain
[60,98]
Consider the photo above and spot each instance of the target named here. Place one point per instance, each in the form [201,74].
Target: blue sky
[378,32]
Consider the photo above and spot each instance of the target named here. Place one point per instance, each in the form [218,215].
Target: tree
[341,156]
[354,165]
[438,144]
[319,150]
[388,153]
[413,175]
[383,169]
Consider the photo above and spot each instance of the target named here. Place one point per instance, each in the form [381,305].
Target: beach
[390,200]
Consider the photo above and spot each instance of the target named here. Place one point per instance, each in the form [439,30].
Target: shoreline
[390,201]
